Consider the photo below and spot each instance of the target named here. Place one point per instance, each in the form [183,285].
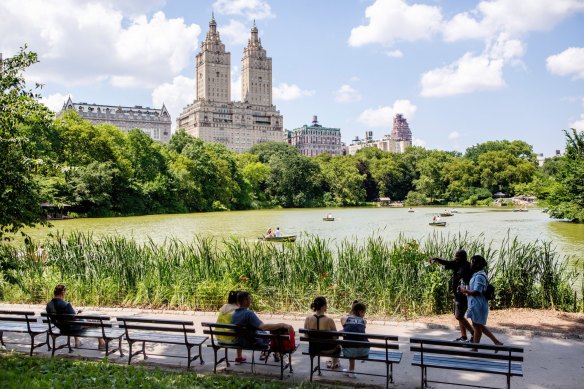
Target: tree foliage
[20,117]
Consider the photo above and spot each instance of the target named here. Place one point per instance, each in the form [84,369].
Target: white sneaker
[349,373]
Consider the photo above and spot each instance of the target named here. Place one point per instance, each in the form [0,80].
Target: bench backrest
[232,330]
[385,342]
[151,324]
[27,317]
[86,321]
[426,346]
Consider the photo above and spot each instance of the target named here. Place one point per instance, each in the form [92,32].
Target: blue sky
[462,72]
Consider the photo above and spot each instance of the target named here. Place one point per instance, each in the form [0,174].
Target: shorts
[460,307]
[354,352]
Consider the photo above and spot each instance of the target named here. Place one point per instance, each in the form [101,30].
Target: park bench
[380,350]
[23,322]
[441,354]
[275,338]
[151,330]
[92,326]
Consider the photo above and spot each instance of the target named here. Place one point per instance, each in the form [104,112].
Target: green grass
[18,371]
[391,277]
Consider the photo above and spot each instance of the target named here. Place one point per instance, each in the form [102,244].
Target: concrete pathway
[549,362]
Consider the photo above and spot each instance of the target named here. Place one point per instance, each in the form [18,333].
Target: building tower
[213,65]
[401,130]
[256,72]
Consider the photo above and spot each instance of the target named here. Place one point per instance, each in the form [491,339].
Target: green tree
[567,197]
[20,115]
[342,179]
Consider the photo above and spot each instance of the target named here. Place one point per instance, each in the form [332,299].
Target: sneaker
[264,355]
[461,339]
[276,357]
[349,373]
[239,361]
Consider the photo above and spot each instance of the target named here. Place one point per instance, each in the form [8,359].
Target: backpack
[283,346]
[489,292]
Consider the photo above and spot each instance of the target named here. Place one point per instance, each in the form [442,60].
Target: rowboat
[438,224]
[287,238]
[446,214]
[520,210]
[328,219]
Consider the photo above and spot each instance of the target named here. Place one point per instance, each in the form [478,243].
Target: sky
[461,72]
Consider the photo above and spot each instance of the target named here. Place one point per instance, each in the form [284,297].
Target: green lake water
[350,223]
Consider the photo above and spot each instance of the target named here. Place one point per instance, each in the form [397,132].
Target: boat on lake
[328,219]
[521,210]
[287,238]
[438,224]
[446,214]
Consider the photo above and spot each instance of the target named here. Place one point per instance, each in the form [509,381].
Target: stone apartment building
[154,122]
[212,116]
[396,142]
[315,139]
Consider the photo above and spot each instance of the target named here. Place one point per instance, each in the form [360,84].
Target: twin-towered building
[213,117]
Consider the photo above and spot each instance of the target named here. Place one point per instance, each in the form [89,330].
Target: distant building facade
[154,122]
[213,117]
[396,142]
[315,139]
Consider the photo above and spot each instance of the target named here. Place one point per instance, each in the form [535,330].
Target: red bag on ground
[283,346]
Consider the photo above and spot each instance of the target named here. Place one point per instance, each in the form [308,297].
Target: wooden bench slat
[465,345]
[132,319]
[23,313]
[466,364]
[157,328]
[472,354]
[23,328]
[169,339]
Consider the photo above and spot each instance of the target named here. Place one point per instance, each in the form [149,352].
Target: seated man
[242,316]
[58,306]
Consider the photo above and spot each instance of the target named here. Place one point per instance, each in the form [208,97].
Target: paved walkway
[549,362]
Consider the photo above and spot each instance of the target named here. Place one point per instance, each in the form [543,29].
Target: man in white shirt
[278,233]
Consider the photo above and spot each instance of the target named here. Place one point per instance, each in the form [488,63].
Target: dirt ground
[544,321]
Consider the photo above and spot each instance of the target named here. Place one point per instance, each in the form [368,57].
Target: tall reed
[392,277]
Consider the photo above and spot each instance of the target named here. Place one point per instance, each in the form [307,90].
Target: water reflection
[350,223]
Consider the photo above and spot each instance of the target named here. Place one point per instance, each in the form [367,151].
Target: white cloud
[251,9]
[83,42]
[419,142]
[514,17]
[383,116]
[472,73]
[391,20]
[55,101]
[578,124]
[174,96]
[355,79]
[568,62]
[395,54]
[286,91]
[453,135]
[236,33]
[346,94]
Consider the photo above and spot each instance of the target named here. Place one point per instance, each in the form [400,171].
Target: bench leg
[130,355]
[2,339]
[144,350]
[290,362]
[120,346]
[508,381]
[215,358]
[201,354]
[188,358]
[54,348]
[69,344]
[48,343]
